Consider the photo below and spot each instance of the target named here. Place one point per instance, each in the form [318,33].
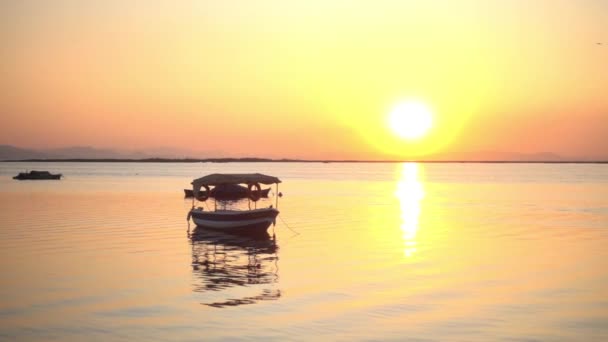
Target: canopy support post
[276,204]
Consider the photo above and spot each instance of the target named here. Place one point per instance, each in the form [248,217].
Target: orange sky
[306,79]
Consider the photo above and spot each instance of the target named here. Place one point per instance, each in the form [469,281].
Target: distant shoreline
[264,160]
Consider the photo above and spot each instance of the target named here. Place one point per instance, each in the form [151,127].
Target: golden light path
[410,193]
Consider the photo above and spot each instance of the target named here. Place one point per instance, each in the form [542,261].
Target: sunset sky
[306,79]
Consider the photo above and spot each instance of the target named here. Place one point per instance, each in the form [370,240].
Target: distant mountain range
[8,152]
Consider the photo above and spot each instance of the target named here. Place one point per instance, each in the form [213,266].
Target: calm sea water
[384,252]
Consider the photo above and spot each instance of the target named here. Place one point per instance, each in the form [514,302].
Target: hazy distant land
[91,154]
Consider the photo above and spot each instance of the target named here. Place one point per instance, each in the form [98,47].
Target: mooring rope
[286,225]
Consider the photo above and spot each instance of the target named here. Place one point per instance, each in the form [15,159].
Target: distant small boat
[227,192]
[37,175]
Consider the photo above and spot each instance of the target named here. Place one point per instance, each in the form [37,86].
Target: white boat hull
[246,221]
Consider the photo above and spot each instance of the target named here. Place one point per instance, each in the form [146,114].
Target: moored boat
[37,175]
[252,221]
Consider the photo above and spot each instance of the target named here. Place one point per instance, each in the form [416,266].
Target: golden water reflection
[410,193]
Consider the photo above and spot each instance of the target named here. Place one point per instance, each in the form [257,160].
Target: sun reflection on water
[410,193]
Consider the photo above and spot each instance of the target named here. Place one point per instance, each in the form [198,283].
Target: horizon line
[290,160]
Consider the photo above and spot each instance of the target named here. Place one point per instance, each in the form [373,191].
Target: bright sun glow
[410,120]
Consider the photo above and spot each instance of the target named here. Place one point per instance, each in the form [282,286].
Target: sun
[410,120]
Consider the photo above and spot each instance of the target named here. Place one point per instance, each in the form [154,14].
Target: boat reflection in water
[410,193]
[228,266]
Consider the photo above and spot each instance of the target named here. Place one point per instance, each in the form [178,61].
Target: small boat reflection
[224,263]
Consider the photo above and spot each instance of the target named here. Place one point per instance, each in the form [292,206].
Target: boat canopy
[215,179]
